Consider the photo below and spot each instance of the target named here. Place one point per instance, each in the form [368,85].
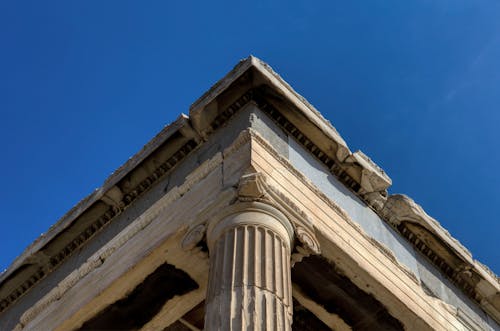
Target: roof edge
[401,212]
[76,211]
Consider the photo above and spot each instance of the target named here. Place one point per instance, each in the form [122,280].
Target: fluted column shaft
[249,283]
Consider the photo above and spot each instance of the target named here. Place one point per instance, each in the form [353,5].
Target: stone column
[249,285]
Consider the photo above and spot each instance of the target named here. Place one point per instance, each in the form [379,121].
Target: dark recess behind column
[144,302]
[319,279]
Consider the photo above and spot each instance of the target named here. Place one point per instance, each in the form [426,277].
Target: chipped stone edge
[339,210]
[490,283]
[123,237]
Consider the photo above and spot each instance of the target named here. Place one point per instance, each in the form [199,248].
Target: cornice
[445,252]
[411,221]
[121,239]
[284,201]
[179,127]
[112,198]
[360,174]
[254,81]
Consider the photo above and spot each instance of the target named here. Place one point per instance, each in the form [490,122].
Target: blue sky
[414,84]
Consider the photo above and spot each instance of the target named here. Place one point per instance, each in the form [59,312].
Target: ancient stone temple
[251,213]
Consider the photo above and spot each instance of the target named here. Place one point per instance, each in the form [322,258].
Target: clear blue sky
[414,84]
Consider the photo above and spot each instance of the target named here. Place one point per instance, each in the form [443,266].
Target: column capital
[256,187]
[255,194]
[250,275]
[252,213]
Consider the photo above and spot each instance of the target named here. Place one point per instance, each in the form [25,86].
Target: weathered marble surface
[251,138]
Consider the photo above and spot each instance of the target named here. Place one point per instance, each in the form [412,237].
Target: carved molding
[243,138]
[117,202]
[402,213]
[356,170]
[446,253]
[373,178]
[398,210]
[308,239]
[197,231]
[123,237]
[254,187]
[331,204]
[193,237]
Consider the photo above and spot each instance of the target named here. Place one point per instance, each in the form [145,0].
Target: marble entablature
[253,88]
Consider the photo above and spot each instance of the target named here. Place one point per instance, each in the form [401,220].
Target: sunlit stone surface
[250,213]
